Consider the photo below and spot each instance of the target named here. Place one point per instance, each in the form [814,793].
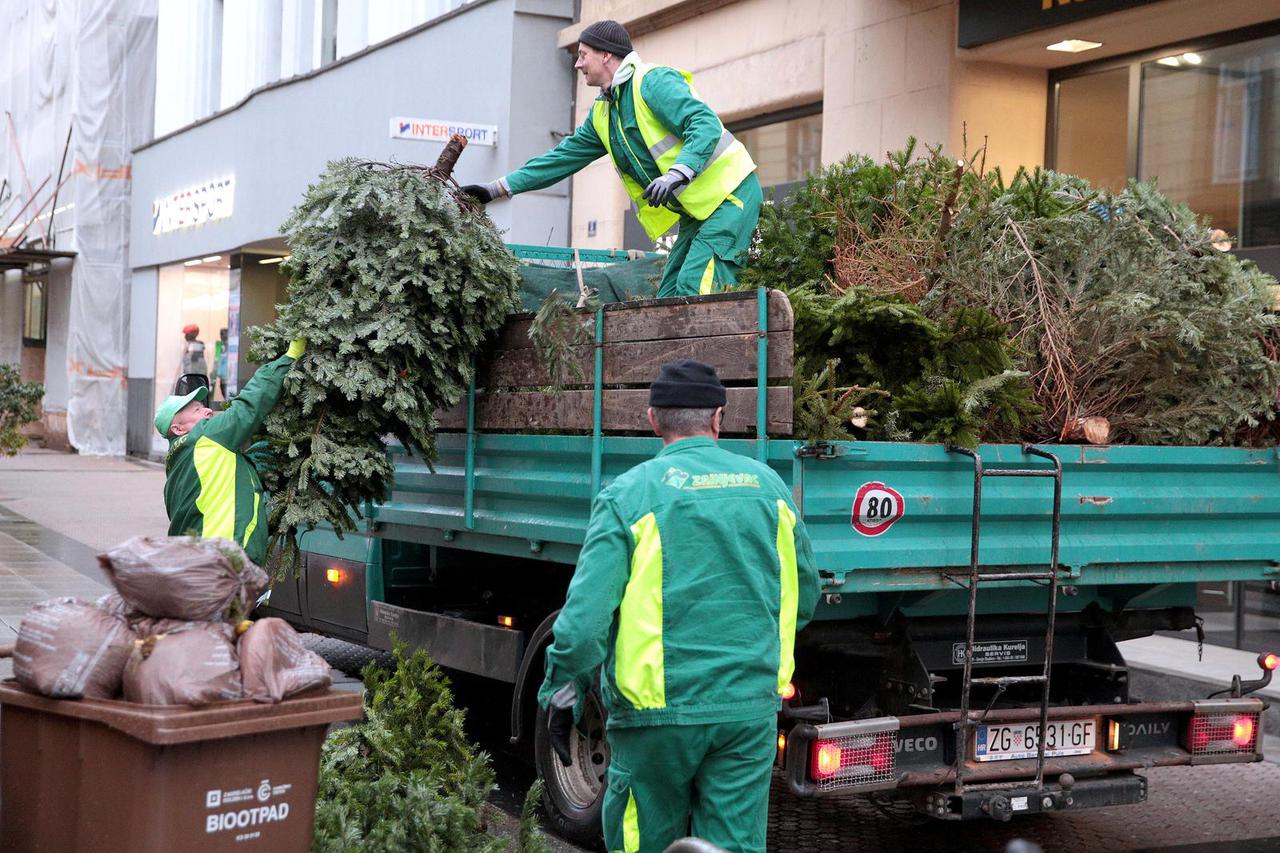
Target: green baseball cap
[172,405]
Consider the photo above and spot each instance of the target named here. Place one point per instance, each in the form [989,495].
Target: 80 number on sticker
[875,508]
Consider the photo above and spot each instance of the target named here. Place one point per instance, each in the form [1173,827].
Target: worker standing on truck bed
[695,574]
[671,151]
[211,488]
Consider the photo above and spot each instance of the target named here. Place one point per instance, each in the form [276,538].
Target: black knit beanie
[607,35]
[687,384]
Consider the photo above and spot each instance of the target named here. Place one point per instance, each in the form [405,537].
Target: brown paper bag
[185,577]
[275,665]
[68,648]
[193,665]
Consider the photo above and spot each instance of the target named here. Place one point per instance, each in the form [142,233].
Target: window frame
[777,117]
[28,280]
[1134,62]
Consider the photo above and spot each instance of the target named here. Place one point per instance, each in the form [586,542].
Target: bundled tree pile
[406,777]
[936,301]
[395,282]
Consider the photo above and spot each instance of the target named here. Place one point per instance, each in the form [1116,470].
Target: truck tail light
[787,692]
[1269,661]
[1223,734]
[853,761]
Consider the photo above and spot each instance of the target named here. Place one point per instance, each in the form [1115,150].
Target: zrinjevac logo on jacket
[677,479]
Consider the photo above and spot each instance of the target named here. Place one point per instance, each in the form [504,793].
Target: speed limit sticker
[875,508]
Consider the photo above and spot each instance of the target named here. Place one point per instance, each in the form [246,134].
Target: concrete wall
[278,141]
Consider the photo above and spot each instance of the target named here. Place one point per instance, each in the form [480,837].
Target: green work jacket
[211,488]
[694,577]
[673,103]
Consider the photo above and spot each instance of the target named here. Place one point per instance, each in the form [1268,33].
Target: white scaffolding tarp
[87,65]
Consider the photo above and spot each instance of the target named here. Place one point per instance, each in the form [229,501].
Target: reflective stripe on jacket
[211,489]
[695,574]
[727,166]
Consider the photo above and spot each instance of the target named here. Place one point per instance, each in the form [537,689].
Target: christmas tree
[395,282]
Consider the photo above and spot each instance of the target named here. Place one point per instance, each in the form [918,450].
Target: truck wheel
[572,796]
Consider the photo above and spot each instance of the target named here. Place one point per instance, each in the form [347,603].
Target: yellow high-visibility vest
[727,167]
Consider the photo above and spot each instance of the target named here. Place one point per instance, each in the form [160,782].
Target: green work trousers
[708,253]
[710,781]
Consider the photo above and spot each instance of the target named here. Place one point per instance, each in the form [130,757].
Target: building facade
[76,86]
[210,195]
[1186,91]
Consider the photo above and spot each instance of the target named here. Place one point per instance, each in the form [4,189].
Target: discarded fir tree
[395,283]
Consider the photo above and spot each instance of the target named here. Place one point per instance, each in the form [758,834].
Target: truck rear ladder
[969,722]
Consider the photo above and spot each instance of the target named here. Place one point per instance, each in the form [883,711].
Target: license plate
[1009,741]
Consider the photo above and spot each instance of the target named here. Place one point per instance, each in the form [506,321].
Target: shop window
[35,311]
[1203,120]
[786,146]
[1210,131]
[1093,127]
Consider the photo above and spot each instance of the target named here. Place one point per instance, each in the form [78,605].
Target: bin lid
[173,724]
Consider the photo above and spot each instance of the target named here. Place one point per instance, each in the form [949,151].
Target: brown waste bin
[99,775]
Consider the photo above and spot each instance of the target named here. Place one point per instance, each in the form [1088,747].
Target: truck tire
[572,796]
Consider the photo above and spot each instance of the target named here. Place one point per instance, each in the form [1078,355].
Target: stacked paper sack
[174,632]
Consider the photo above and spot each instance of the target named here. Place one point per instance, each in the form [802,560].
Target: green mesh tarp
[620,282]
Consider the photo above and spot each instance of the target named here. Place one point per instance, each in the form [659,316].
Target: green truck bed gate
[1130,515]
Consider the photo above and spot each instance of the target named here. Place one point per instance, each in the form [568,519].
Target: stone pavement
[57,512]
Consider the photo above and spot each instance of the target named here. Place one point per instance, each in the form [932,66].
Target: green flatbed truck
[962,661]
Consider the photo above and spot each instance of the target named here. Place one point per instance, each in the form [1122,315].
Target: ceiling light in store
[1074,45]
[211,259]
[274,260]
[1171,61]
[1192,58]
[192,263]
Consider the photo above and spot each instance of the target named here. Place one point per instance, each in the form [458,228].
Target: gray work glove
[664,189]
[485,193]
[560,721]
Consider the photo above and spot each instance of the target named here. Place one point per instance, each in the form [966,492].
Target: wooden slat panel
[663,319]
[635,362]
[623,410]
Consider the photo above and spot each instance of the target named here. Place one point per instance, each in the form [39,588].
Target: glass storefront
[191,311]
[1093,127]
[1210,132]
[1204,121]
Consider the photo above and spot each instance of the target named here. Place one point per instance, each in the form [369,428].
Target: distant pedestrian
[694,577]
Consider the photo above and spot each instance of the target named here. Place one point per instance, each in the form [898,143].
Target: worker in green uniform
[671,151]
[211,489]
[695,574]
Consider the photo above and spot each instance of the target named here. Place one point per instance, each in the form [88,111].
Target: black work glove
[560,721]
[664,189]
[479,192]
[485,193]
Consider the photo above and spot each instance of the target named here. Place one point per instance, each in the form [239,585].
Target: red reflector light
[850,761]
[788,691]
[826,759]
[1242,731]
[333,575]
[1269,661]
[1223,734]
